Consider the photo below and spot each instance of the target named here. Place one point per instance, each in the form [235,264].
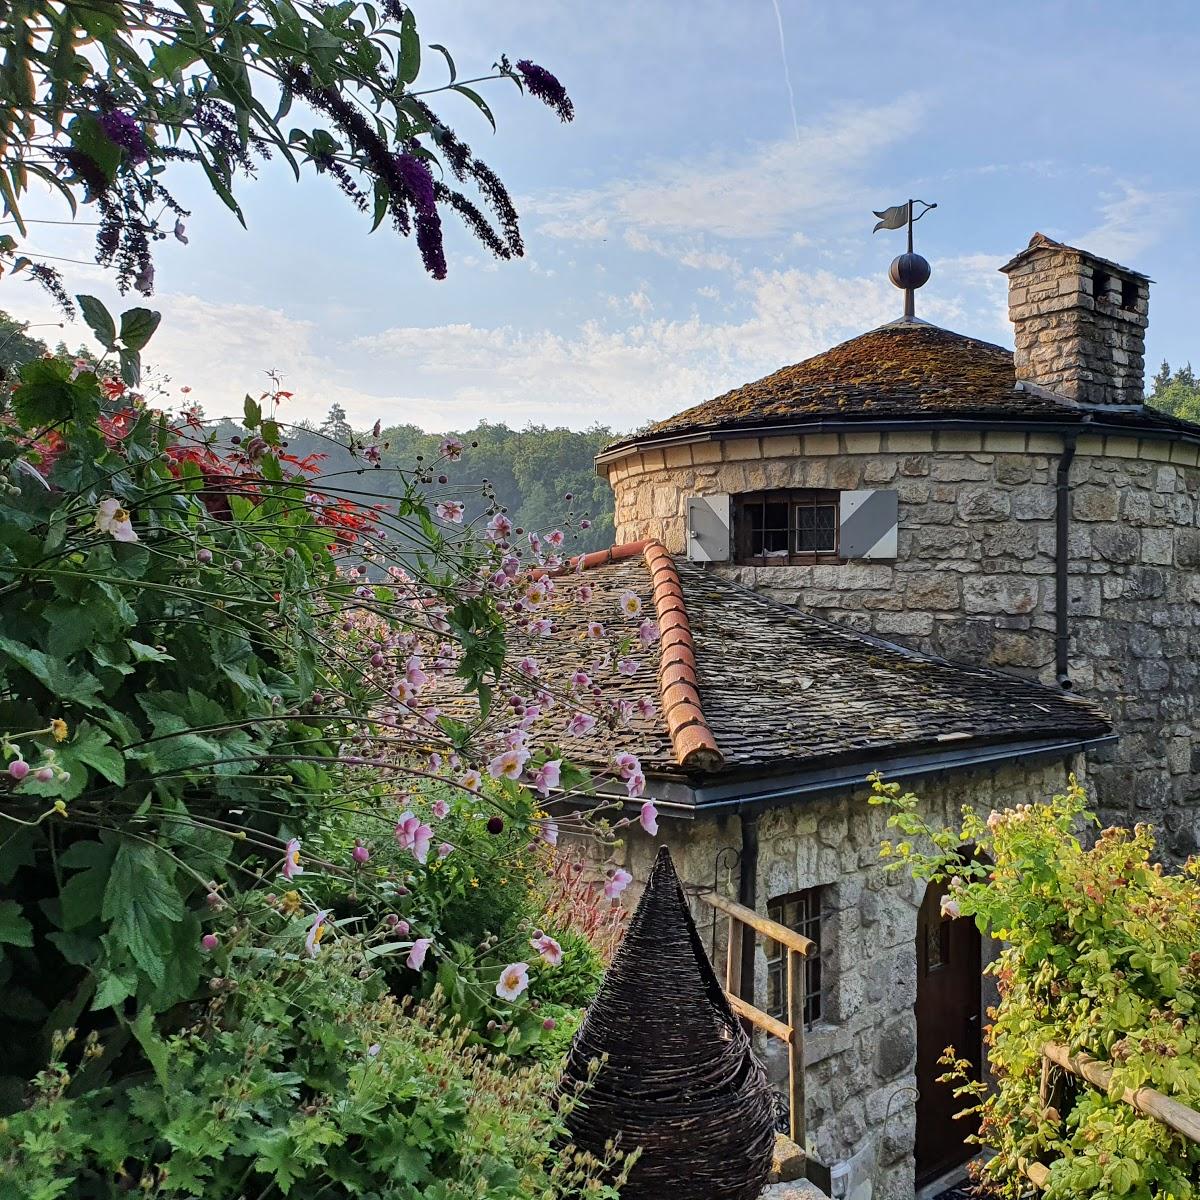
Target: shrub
[295,1077]
[1100,951]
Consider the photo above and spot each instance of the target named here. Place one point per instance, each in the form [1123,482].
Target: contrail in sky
[787,76]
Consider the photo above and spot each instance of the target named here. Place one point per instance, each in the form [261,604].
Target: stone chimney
[1079,323]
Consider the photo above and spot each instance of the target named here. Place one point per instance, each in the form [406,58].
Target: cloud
[1132,221]
[626,374]
[759,192]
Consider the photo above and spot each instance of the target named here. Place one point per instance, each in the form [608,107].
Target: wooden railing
[1150,1103]
[790,1032]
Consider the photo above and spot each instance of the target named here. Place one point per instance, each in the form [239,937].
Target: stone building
[767,723]
[971,569]
[1024,511]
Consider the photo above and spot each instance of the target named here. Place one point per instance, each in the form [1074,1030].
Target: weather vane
[908,271]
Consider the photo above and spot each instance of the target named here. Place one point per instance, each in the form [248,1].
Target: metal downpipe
[1062,554]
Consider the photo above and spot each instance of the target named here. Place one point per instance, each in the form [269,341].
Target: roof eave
[1089,417]
[742,791]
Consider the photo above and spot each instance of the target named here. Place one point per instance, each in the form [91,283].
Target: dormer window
[782,527]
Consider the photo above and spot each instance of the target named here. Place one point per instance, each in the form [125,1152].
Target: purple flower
[121,129]
[418,179]
[429,242]
[546,88]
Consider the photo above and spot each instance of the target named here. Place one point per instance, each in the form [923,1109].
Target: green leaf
[76,686]
[222,189]
[156,1051]
[16,851]
[131,367]
[77,948]
[449,60]
[252,413]
[114,988]
[143,904]
[410,48]
[88,138]
[83,894]
[138,326]
[48,396]
[14,928]
[477,100]
[92,746]
[144,653]
[99,320]
[170,58]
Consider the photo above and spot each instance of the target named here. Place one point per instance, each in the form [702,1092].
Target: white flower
[112,518]
[514,979]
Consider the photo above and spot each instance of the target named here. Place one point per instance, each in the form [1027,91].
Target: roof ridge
[594,558]
[692,737]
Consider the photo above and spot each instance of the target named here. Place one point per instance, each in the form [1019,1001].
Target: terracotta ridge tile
[691,736]
[595,558]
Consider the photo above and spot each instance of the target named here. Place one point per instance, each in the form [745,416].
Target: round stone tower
[1024,511]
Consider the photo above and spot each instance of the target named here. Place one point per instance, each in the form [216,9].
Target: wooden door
[949,996]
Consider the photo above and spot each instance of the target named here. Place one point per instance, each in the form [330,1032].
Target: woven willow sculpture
[680,1081]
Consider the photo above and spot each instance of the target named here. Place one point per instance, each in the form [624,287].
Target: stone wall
[974,578]
[1074,332]
[861,1056]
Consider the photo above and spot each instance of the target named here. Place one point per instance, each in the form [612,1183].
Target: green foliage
[1176,392]
[98,105]
[202,661]
[576,980]
[294,1077]
[157,688]
[1099,951]
[16,346]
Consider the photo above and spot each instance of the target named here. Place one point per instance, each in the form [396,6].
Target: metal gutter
[748,894]
[902,425]
[685,800]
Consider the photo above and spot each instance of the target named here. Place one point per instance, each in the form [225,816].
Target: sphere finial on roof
[908,271]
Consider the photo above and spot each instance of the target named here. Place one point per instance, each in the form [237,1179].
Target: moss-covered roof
[906,369]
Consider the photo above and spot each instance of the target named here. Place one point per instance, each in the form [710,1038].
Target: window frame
[794,498]
[811,923]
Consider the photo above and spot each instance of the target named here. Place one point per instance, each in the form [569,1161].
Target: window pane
[775,529]
[801,912]
[816,528]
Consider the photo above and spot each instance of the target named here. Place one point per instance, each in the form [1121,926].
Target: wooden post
[1148,1101]
[733,958]
[795,1008]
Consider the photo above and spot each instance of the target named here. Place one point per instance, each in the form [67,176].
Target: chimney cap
[1040,241]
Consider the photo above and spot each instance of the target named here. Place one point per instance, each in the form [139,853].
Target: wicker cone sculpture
[680,1081]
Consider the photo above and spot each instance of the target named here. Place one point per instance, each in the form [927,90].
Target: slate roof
[776,688]
[907,370]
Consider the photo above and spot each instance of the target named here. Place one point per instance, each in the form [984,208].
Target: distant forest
[532,470]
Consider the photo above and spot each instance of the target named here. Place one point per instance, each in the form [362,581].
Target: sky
[707,217]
